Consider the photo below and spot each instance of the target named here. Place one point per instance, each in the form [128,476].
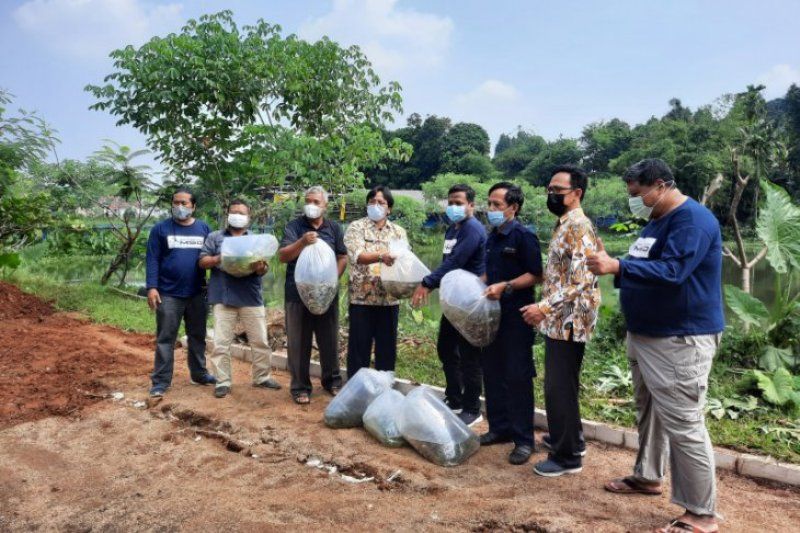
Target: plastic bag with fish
[432,429]
[347,408]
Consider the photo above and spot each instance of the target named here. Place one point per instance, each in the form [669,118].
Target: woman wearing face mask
[236,300]
[373,312]
[513,266]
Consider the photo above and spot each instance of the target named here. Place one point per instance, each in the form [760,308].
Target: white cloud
[490,92]
[90,29]
[496,105]
[394,39]
[778,79]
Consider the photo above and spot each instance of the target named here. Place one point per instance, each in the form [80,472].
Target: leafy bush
[779,388]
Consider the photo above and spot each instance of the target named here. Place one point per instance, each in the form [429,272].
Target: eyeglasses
[559,189]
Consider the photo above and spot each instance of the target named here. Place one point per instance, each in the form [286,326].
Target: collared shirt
[329,232]
[464,247]
[364,236]
[570,293]
[226,289]
[511,251]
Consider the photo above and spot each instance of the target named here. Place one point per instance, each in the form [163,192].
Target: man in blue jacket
[671,295]
[464,248]
[175,291]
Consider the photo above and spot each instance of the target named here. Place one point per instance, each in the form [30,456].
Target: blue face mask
[376,213]
[496,218]
[456,213]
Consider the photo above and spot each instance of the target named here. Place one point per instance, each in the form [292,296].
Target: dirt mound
[16,304]
[54,364]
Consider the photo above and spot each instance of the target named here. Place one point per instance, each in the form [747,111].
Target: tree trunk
[746,279]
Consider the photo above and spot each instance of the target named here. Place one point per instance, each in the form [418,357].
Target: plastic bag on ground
[380,418]
[239,253]
[471,313]
[405,274]
[434,430]
[347,408]
[317,277]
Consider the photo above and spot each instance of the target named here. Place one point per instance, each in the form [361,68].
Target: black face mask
[555,203]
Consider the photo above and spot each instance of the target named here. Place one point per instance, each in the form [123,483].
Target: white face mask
[235,220]
[637,207]
[312,211]
[376,212]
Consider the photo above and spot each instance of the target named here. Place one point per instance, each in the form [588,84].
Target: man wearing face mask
[513,266]
[671,295]
[566,316]
[237,300]
[302,324]
[464,248]
[175,287]
[373,312]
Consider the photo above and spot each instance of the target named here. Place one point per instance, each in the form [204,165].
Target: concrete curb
[755,466]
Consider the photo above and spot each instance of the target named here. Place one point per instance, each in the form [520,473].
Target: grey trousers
[670,380]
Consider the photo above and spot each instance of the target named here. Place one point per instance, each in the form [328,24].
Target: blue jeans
[169,313]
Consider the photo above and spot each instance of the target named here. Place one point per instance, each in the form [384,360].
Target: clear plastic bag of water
[380,418]
[240,253]
[347,408]
[475,316]
[402,278]
[317,277]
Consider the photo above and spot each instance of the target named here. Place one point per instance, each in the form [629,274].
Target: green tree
[604,141]
[559,152]
[517,152]
[25,139]
[244,108]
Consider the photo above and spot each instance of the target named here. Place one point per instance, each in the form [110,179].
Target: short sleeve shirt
[226,289]
[364,236]
[329,232]
[512,251]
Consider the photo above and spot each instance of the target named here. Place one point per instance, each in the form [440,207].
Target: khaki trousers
[254,321]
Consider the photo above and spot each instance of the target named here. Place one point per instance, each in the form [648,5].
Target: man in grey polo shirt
[236,299]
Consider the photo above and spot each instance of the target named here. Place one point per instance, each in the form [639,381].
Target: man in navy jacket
[464,248]
[175,291]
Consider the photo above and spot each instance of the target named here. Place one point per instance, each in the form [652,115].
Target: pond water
[73,269]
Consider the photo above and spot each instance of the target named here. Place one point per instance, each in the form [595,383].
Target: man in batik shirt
[566,316]
[373,312]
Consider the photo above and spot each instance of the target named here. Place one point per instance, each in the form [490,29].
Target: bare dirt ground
[72,458]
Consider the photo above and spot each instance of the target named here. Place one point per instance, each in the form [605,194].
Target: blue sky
[551,67]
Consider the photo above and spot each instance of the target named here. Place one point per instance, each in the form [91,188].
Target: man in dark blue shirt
[175,291]
[671,295]
[513,266]
[301,323]
[237,299]
[464,248]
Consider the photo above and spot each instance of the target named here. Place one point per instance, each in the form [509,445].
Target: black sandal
[302,399]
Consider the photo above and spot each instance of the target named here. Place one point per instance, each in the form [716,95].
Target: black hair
[384,190]
[513,193]
[466,189]
[186,191]
[578,179]
[647,171]
[238,201]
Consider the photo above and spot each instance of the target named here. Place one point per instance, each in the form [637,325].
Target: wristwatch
[508,288]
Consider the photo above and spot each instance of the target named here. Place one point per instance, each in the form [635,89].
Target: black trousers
[562,369]
[508,372]
[193,311]
[301,325]
[462,368]
[372,324]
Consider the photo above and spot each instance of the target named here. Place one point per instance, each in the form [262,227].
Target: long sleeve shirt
[464,247]
[570,292]
[671,282]
[171,260]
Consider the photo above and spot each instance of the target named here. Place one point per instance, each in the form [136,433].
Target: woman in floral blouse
[373,312]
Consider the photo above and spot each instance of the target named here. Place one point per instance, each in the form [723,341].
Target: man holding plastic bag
[236,299]
[373,312]
[513,266]
[302,323]
[464,248]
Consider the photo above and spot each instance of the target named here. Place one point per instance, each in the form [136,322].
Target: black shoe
[470,418]
[520,454]
[489,438]
[547,443]
[456,408]
[268,383]
[221,392]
